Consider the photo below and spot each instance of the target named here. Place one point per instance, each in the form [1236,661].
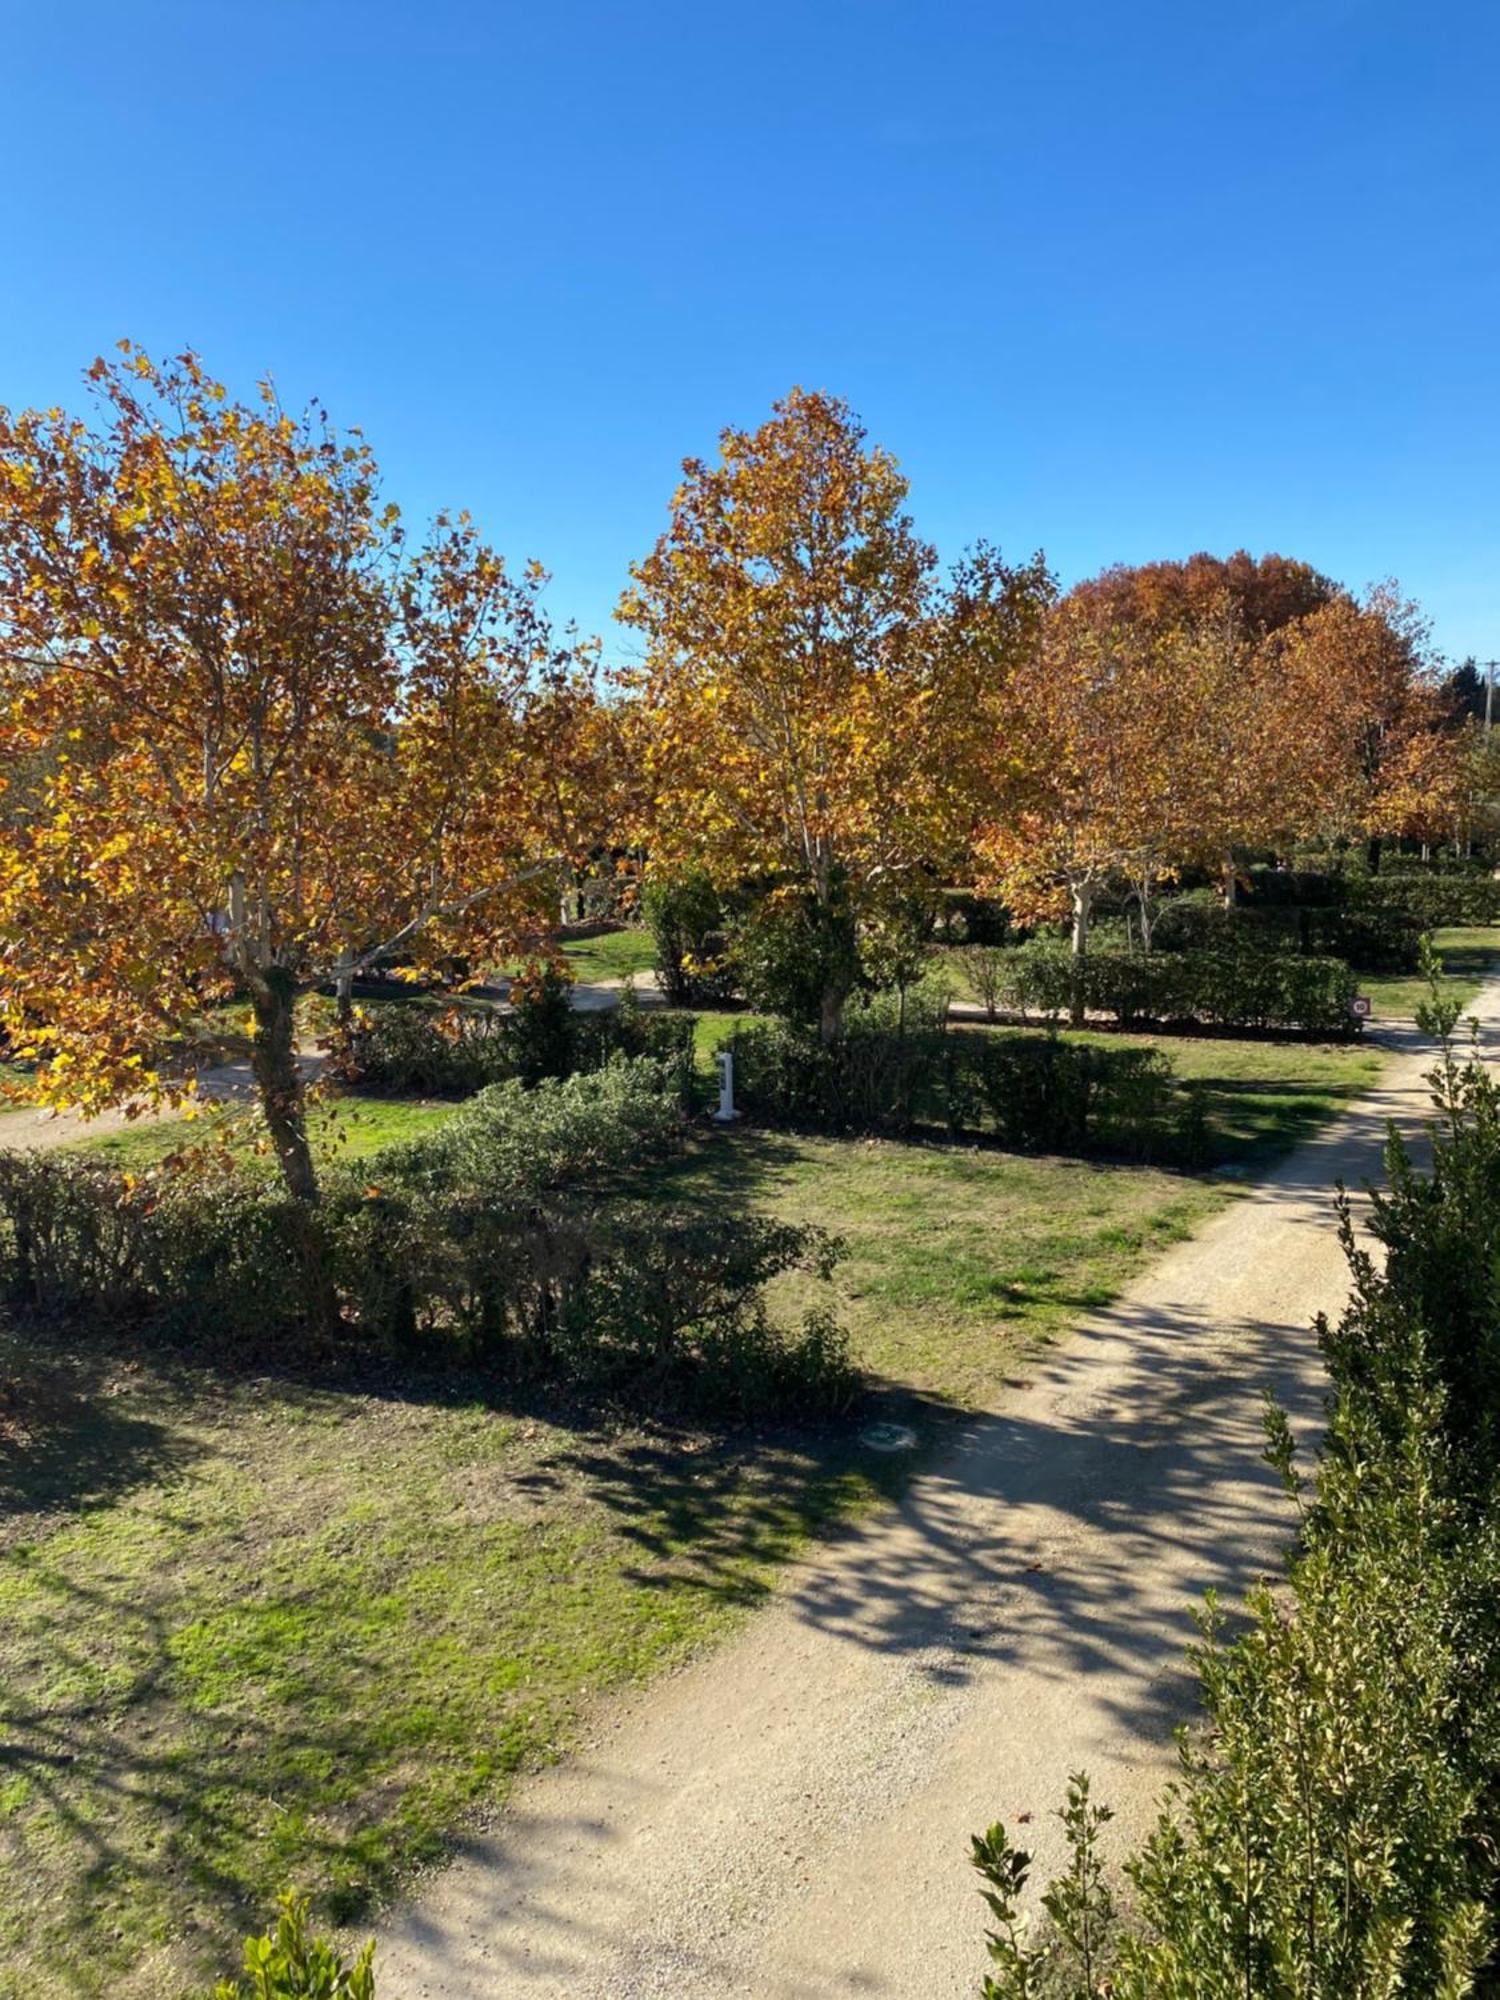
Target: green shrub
[540,1024]
[968,918]
[686,918]
[1375,939]
[508,1235]
[1334,1829]
[1037,1093]
[879,1076]
[673,1307]
[789,951]
[1027,1092]
[1282,888]
[1230,989]
[289,1963]
[1432,900]
[1036,979]
[427,1052]
[984,967]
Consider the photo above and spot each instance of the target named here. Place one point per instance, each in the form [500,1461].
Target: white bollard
[726,1113]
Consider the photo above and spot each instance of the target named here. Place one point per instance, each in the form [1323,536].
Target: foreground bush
[507,1237]
[1224,989]
[1334,1830]
[289,1963]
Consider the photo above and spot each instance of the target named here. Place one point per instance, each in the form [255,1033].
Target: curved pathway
[788,1818]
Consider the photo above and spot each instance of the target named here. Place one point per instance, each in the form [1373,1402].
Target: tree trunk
[273,1063]
[1231,883]
[1083,903]
[830,1015]
[1372,853]
[343,987]
[284,1103]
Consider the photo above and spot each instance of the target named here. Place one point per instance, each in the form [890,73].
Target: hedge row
[1336,1828]
[1430,893]
[510,1236]
[1376,938]
[1227,989]
[1027,1092]
[1431,900]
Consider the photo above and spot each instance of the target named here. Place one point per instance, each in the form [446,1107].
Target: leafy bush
[1283,888]
[1043,1094]
[289,1963]
[674,1309]
[789,952]
[540,1023]
[1335,1825]
[422,1052]
[1230,989]
[975,920]
[508,1235]
[686,918]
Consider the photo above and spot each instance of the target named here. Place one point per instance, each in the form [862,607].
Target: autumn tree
[274,748]
[1369,707]
[1083,775]
[1258,594]
[795,706]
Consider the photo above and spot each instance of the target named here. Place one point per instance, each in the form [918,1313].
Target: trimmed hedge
[1379,938]
[1433,901]
[508,1236]
[1294,888]
[1226,989]
[1028,1092]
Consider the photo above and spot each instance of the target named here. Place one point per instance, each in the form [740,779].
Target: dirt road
[788,1818]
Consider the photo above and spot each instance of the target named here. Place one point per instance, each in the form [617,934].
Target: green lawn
[348,1128]
[253,1634]
[1259,1097]
[622,954]
[1468,955]
[259,1632]
[957,1257]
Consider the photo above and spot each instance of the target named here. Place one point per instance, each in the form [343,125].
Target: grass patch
[622,954]
[956,1256]
[1469,956]
[254,1633]
[347,1128]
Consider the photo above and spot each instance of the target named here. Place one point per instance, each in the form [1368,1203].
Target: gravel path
[29,1131]
[788,1818]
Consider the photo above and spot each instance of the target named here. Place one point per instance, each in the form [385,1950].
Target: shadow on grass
[1125,1462]
[68,1440]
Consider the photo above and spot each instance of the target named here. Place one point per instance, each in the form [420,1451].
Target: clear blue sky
[1120,280]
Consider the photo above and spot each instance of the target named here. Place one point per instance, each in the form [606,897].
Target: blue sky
[1119,280]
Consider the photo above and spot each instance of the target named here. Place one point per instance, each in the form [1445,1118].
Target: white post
[726,1113]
